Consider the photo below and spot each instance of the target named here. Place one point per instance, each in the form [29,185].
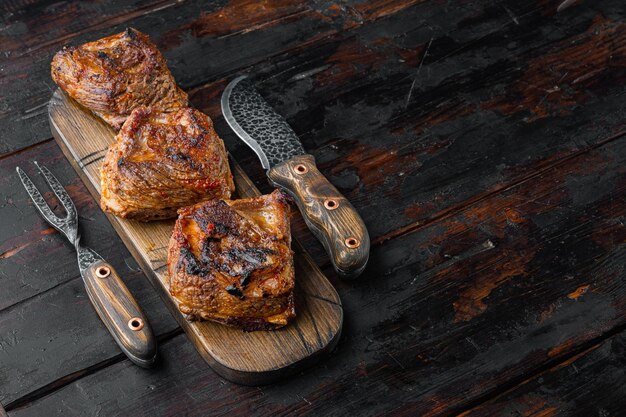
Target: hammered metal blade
[257,124]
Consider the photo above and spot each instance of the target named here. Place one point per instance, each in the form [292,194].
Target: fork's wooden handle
[120,313]
[329,215]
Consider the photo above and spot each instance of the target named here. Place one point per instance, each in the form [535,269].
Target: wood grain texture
[121,314]
[490,104]
[329,215]
[482,142]
[58,335]
[249,358]
[202,41]
[589,384]
[459,309]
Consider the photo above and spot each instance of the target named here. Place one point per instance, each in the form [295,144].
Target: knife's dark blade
[257,124]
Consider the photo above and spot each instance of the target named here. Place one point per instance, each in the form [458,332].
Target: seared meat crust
[161,162]
[114,75]
[231,262]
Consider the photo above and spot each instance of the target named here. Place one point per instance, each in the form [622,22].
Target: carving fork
[113,302]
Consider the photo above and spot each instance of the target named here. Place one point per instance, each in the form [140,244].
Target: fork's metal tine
[59,191]
[39,201]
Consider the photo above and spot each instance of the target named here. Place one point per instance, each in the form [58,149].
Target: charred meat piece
[114,75]
[231,262]
[161,162]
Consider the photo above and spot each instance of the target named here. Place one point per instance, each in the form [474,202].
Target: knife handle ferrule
[328,214]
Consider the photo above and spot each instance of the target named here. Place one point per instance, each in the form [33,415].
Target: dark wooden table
[483,143]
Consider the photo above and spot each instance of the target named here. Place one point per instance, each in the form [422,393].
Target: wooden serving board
[247,358]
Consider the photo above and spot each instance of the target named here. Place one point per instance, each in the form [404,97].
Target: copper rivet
[103,271]
[135,324]
[301,169]
[352,242]
[331,204]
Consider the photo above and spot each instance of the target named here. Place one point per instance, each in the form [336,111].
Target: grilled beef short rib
[231,262]
[161,162]
[114,75]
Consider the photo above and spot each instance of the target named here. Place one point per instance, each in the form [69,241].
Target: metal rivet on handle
[135,324]
[301,169]
[352,242]
[331,204]
[103,271]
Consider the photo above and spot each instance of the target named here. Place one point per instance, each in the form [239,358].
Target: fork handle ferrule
[120,313]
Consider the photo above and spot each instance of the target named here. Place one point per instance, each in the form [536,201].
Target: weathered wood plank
[588,384]
[489,107]
[28,25]
[58,332]
[201,40]
[338,89]
[450,313]
[514,306]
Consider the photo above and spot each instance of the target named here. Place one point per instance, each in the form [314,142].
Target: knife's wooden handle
[329,215]
[120,313]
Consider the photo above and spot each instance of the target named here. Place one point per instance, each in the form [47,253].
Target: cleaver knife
[328,214]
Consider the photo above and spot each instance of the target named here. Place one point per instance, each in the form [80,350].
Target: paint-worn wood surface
[590,383]
[482,142]
[252,358]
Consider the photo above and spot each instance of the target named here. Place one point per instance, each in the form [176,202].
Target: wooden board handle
[329,215]
[120,313]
